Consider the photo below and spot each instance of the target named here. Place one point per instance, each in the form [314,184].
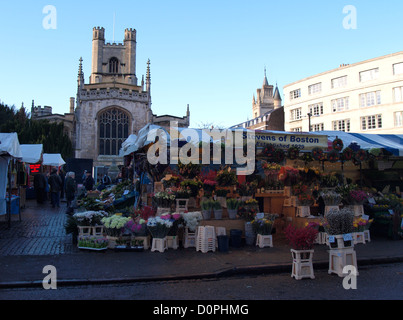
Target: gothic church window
[113,65]
[113,131]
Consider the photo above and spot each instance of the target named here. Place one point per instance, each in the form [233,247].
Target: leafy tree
[29,131]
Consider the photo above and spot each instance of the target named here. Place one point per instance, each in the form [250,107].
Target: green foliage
[29,131]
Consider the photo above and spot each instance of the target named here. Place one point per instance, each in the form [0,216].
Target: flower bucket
[223,243]
[303,211]
[206,214]
[340,241]
[236,238]
[232,214]
[217,214]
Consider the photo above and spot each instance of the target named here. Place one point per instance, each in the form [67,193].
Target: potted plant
[206,206]
[114,228]
[301,241]
[217,210]
[232,207]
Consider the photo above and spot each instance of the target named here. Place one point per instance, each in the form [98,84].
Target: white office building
[364,97]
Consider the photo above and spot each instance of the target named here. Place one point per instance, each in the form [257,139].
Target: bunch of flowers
[269,151]
[333,156]
[360,156]
[114,225]
[263,225]
[249,209]
[338,222]
[159,227]
[306,157]
[92,242]
[278,155]
[271,169]
[318,154]
[176,219]
[144,213]
[301,239]
[247,188]
[170,181]
[348,154]
[313,224]
[189,171]
[226,177]
[361,224]
[299,188]
[137,226]
[330,197]
[192,219]
[183,193]
[331,180]
[357,197]
[305,199]
[289,175]
[89,218]
[309,175]
[164,198]
[293,153]
[193,185]
[337,144]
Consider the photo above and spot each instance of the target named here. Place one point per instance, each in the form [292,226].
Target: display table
[272,202]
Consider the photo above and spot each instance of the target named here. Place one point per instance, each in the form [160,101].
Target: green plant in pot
[207,206]
[217,209]
[232,207]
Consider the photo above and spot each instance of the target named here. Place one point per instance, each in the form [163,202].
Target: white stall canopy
[53,159]
[32,153]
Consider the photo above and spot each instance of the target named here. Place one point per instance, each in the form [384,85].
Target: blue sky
[208,54]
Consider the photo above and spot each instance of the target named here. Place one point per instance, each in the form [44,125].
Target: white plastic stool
[339,258]
[302,266]
[359,237]
[159,244]
[172,242]
[264,241]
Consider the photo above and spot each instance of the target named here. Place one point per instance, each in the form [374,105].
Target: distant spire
[148,77]
[265,82]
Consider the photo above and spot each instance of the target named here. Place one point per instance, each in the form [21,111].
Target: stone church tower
[112,106]
[266,100]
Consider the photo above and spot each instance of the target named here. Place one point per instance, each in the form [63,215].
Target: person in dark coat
[39,186]
[56,185]
[70,188]
[89,182]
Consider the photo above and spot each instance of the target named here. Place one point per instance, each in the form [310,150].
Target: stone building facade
[113,105]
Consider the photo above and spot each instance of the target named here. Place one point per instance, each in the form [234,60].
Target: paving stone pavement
[40,232]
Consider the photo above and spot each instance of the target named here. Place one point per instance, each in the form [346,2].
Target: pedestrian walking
[40,186]
[55,185]
[71,188]
[89,182]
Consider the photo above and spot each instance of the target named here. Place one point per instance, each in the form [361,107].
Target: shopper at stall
[89,182]
[71,188]
[39,186]
[55,185]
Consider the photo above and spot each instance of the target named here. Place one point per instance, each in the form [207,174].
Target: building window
[369,75]
[318,127]
[371,122]
[370,99]
[316,109]
[399,119]
[298,129]
[295,94]
[113,131]
[398,94]
[340,82]
[398,68]
[341,125]
[340,104]
[295,114]
[315,88]
[113,65]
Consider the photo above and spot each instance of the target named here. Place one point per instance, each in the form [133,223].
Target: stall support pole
[9,196]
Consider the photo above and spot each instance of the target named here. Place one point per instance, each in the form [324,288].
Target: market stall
[297,179]
[10,152]
[32,155]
